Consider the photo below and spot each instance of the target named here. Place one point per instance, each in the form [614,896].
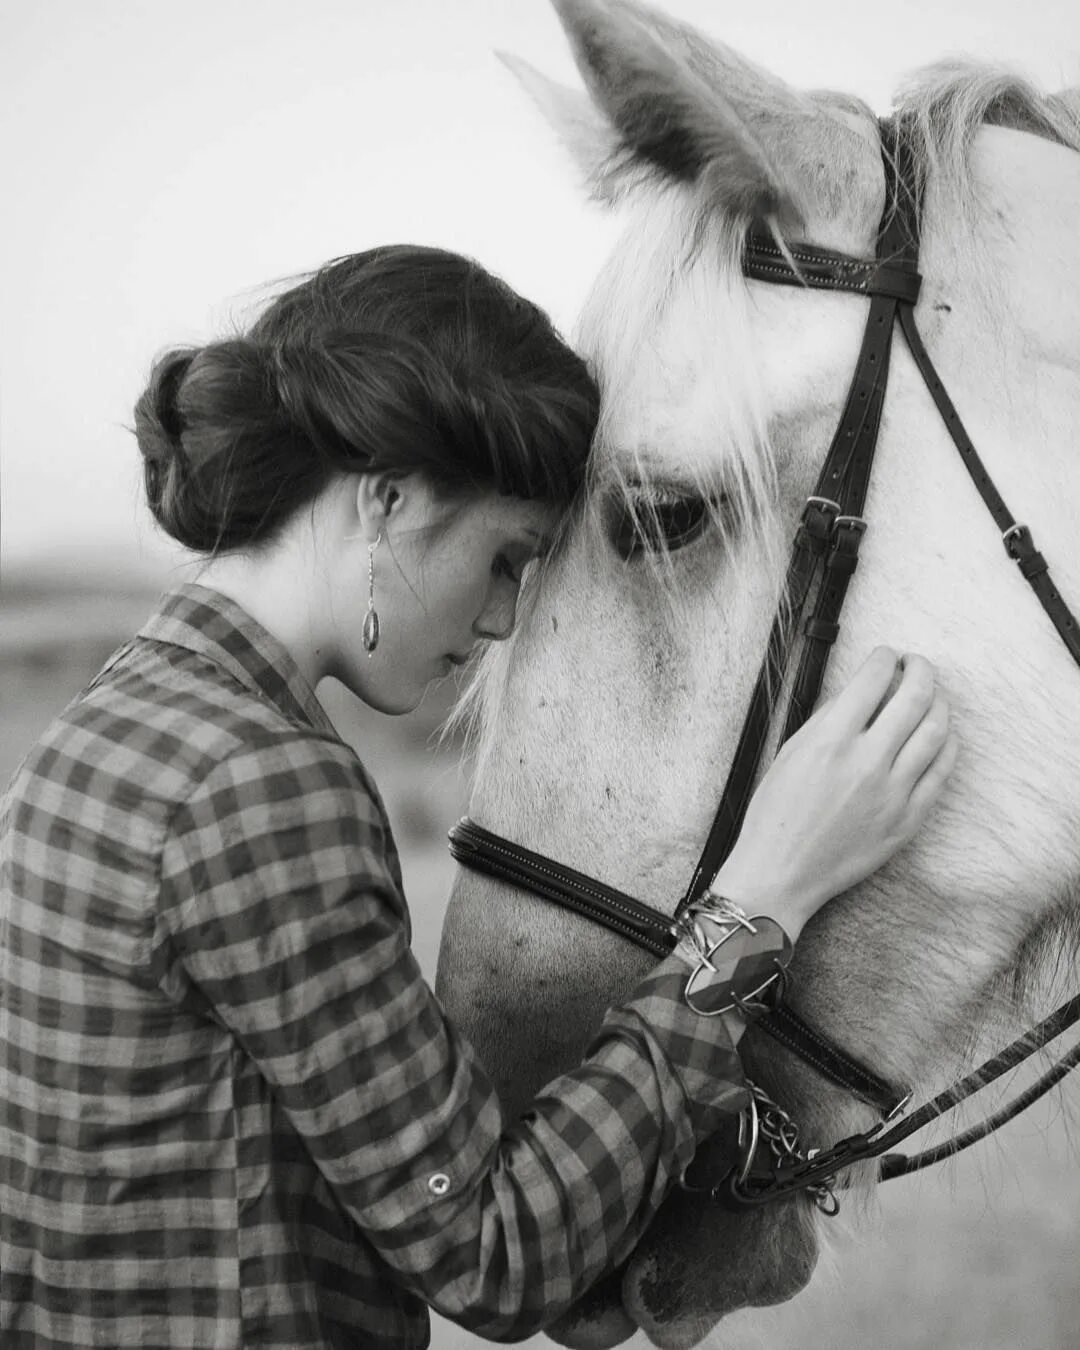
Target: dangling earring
[371,619]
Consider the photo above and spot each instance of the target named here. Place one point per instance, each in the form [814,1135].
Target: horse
[603,729]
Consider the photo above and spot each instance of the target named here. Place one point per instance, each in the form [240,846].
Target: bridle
[824,555]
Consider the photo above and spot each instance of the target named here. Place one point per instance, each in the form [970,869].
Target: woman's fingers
[841,797]
[924,744]
[911,701]
[929,786]
[860,698]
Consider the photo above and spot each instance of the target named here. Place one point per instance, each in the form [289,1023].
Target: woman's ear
[379,496]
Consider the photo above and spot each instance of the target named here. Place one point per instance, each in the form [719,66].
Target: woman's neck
[283,592]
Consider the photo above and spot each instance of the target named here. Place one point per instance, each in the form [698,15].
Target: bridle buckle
[825,504]
[819,517]
[1017,539]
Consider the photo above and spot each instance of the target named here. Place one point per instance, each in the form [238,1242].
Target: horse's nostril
[662,1294]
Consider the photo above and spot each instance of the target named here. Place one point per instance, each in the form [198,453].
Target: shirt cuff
[698,1048]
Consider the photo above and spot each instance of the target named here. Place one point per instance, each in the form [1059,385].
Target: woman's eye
[649,525]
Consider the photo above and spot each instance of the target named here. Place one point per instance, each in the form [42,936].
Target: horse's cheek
[477,988]
[527,984]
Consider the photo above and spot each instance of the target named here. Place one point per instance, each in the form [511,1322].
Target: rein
[825,551]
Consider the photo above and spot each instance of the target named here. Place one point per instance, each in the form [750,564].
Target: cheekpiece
[740,960]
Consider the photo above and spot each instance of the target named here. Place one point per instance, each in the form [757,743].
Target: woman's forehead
[533,520]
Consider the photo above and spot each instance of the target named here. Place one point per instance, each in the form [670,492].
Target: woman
[233,1113]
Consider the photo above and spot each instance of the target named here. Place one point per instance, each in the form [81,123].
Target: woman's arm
[278,903]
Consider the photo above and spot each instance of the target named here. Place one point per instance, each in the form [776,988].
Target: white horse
[607,723]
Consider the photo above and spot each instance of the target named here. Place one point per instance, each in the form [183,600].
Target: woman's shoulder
[162,720]
[283,797]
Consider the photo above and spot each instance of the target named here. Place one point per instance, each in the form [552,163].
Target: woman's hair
[402,358]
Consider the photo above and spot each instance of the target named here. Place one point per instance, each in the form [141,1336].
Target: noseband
[825,552]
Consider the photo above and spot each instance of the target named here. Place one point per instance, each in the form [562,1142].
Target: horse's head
[609,720]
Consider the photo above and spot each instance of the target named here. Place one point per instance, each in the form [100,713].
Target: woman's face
[446,578]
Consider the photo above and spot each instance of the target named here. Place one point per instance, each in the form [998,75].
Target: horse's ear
[580,126]
[658,85]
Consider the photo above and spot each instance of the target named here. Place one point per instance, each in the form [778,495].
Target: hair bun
[159,425]
[159,431]
[204,409]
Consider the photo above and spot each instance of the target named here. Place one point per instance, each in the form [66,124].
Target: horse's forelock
[672,303]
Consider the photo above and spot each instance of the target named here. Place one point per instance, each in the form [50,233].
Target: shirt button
[439,1184]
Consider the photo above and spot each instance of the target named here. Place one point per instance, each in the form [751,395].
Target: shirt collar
[205,621]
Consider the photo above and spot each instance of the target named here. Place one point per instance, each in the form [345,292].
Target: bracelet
[736,959]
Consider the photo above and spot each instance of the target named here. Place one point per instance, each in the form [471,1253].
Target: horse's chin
[697,1263]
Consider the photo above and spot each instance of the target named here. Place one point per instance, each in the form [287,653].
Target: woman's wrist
[789,906]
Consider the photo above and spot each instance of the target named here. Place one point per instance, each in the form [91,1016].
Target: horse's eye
[649,524]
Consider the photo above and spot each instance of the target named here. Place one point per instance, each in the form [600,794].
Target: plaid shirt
[232,1114]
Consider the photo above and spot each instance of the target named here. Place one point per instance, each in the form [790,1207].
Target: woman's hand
[844,793]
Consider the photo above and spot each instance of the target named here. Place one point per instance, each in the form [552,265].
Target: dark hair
[402,358]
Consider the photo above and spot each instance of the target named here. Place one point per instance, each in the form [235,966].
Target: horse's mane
[946,103]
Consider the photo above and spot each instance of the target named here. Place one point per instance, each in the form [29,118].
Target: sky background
[161,163]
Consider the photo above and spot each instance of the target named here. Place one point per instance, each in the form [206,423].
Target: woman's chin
[394,698]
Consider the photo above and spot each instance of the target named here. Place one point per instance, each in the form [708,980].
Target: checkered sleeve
[280,910]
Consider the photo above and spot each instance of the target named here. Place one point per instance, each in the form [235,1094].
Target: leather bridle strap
[892,283]
[475,847]
[1017,539]
[811,544]
[900,1165]
[822,1168]
[823,269]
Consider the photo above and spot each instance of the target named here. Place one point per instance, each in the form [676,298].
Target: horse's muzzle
[698,1262]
